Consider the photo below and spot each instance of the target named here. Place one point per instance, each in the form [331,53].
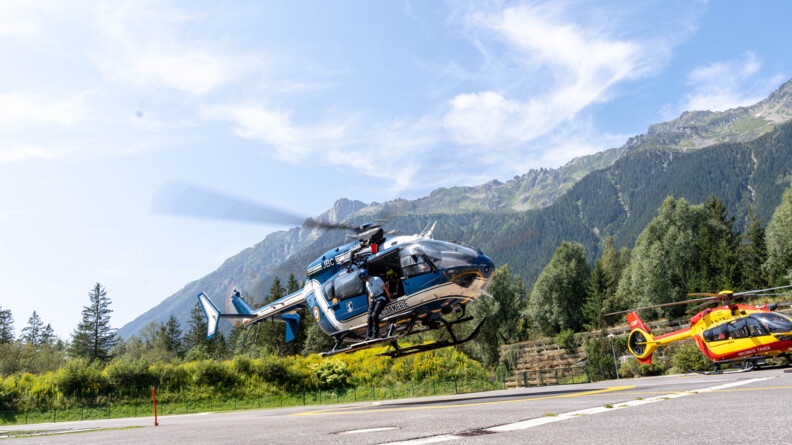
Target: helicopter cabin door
[387,266]
[346,295]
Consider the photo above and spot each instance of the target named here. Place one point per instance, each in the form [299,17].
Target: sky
[297,104]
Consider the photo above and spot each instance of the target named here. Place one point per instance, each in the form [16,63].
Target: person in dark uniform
[378,296]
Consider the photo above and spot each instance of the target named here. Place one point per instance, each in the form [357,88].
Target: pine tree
[196,335]
[93,339]
[271,335]
[171,336]
[6,326]
[753,254]
[33,333]
[596,295]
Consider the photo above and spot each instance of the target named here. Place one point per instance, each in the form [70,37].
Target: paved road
[715,409]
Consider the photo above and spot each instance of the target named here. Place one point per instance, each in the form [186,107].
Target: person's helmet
[363,274]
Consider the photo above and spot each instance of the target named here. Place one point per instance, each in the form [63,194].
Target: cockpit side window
[414,264]
[718,333]
[738,328]
[755,327]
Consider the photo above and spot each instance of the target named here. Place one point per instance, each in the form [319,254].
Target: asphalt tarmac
[701,409]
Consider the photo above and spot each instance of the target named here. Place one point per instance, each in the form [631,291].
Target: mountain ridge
[628,182]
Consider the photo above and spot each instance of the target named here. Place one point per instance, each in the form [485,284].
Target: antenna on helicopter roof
[427,232]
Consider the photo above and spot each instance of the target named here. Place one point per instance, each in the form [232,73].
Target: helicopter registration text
[394,307]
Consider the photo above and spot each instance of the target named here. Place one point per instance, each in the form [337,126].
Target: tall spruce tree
[33,333]
[6,326]
[753,254]
[93,339]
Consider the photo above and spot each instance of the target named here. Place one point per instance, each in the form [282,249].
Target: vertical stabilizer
[212,315]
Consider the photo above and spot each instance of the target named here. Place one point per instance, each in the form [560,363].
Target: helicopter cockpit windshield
[754,325]
[444,254]
[774,323]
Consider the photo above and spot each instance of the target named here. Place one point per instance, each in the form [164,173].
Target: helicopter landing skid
[397,351]
[748,365]
[401,352]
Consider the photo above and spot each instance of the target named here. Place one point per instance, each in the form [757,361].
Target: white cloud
[22,152]
[577,62]
[722,85]
[141,45]
[20,109]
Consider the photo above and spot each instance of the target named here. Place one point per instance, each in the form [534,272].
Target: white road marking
[525,424]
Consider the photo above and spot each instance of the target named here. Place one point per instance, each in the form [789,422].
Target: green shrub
[81,378]
[8,396]
[567,341]
[331,374]
[688,357]
[599,359]
[130,377]
[170,377]
[213,374]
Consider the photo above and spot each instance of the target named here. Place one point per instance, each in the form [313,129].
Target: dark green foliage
[93,339]
[599,359]
[566,340]
[556,300]
[33,333]
[502,313]
[779,243]
[214,375]
[315,338]
[83,378]
[130,377]
[6,326]
[688,357]
[752,254]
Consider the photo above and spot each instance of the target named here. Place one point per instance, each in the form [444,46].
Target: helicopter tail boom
[642,344]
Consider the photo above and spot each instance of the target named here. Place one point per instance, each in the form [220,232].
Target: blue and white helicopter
[432,282]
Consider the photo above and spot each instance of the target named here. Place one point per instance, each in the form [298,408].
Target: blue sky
[297,104]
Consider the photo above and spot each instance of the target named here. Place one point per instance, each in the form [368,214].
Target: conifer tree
[171,336]
[753,254]
[6,326]
[33,333]
[93,339]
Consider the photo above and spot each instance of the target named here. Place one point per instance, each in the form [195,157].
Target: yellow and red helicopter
[727,333]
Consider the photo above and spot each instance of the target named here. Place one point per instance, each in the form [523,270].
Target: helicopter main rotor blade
[188,200]
[675,303]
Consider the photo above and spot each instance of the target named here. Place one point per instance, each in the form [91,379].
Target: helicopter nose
[486,266]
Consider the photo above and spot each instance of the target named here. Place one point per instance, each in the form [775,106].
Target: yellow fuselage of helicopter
[724,333]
